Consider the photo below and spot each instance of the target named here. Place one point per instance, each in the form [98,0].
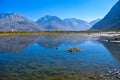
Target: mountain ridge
[17,22]
[55,23]
[52,23]
[77,24]
[111,21]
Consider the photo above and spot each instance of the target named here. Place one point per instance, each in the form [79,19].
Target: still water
[45,57]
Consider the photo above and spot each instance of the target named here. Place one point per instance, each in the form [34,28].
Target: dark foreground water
[46,58]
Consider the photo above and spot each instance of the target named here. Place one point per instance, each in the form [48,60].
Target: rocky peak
[111,21]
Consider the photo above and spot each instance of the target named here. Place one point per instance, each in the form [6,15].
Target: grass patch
[50,32]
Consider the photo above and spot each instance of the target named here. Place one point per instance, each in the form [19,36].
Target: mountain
[94,21]
[111,21]
[16,22]
[76,24]
[52,23]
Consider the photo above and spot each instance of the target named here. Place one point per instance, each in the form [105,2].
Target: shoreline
[94,33]
[107,36]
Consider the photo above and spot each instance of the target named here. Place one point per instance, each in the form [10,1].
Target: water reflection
[114,49]
[16,43]
[50,41]
[38,58]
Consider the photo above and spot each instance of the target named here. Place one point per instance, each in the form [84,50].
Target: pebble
[114,72]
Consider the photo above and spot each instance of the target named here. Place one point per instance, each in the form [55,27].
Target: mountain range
[52,23]
[17,22]
[55,23]
[111,21]
[77,24]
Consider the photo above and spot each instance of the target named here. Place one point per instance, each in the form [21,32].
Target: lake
[45,57]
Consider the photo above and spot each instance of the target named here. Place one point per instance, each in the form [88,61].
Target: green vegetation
[50,32]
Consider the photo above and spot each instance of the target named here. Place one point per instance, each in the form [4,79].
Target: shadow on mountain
[16,43]
[114,49]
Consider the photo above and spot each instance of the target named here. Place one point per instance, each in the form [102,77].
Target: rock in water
[73,49]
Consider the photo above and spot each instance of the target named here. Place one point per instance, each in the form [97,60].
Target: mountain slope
[111,21]
[16,22]
[52,23]
[94,22]
[55,23]
[76,24]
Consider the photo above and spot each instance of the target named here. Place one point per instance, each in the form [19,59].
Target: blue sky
[83,9]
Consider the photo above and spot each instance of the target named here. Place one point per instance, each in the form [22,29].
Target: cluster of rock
[113,74]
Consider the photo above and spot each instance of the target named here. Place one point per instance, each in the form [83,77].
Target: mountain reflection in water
[15,43]
[18,43]
[114,49]
[45,57]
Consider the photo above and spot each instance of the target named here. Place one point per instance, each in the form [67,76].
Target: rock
[109,72]
[73,50]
